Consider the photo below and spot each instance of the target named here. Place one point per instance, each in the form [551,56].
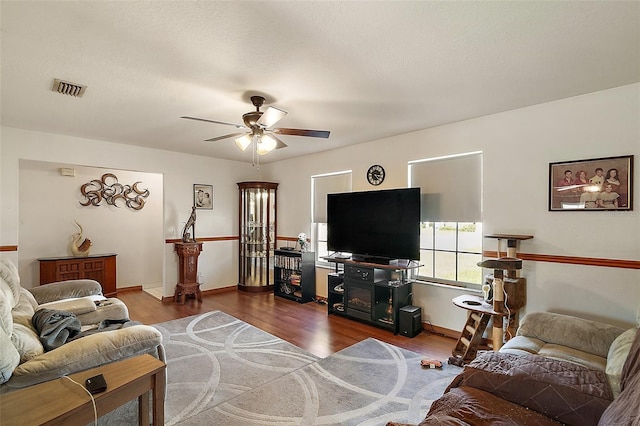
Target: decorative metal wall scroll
[109,190]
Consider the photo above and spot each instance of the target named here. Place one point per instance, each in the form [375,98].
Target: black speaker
[410,321]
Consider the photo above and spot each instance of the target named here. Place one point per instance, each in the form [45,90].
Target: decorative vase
[80,247]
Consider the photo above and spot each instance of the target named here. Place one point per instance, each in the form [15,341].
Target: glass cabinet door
[257,235]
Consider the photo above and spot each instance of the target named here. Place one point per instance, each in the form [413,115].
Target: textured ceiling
[363,70]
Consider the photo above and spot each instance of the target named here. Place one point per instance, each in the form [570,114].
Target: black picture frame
[599,184]
[203,196]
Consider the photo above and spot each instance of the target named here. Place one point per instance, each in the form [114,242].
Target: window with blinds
[451,218]
[321,185]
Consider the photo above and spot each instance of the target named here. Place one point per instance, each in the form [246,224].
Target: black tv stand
[369,292]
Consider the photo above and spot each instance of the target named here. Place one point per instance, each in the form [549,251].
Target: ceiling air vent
[67,88]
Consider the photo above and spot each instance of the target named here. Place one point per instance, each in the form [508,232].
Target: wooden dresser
[99,267]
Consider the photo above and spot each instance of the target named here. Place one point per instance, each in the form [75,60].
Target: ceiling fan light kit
[257,126]
[271,116]
[265,145]
[244,141]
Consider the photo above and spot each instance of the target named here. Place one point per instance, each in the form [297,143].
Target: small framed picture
[203,196]
[600,184]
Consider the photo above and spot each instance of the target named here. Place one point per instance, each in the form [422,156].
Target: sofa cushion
[471,406]
[9,274]
[87,352]
[9,293]
[568,331]
[566,392]
[65,290]
[632,364]
[576,356]
[26,342]
[112,308]
[618,353]
[23,335]
[24,308]
[6,302]
[9,357]
[76,305]
[521,345]
[625,409]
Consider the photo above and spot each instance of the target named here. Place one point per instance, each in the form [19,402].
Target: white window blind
[451,187]
[327,184]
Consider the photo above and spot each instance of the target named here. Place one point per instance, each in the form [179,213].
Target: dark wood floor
[305,325]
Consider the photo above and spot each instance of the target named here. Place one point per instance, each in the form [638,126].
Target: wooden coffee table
[60,401]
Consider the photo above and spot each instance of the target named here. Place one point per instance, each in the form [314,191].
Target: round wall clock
[375,174]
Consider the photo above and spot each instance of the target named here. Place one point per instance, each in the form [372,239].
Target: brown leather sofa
[548,377]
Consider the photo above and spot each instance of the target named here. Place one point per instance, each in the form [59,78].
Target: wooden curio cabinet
[257,227]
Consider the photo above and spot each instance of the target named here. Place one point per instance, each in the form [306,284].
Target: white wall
[517,148]
[135,235]
[218,261]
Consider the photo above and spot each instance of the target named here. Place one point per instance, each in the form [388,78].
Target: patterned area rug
[224,372]
[214,357]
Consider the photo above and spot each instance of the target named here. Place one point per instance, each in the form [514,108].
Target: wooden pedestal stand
[188,271]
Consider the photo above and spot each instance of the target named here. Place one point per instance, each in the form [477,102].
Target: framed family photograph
[599,184]
[203,196]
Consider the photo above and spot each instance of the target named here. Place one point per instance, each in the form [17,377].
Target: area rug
[368,383]
[222,371]
[214,357]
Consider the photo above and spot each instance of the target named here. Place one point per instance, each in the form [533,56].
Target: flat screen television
[375,226]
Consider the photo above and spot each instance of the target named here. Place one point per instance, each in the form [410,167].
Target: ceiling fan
[257,128]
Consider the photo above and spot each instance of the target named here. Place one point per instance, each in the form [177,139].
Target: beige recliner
[23,359]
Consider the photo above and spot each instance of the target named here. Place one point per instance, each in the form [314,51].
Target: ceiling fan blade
[219,138]
[270,117]
[239,126]
[301,132]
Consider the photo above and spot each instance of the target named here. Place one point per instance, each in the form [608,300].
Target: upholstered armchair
[23,358]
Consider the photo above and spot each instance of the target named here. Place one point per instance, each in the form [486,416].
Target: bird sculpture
[79,245]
